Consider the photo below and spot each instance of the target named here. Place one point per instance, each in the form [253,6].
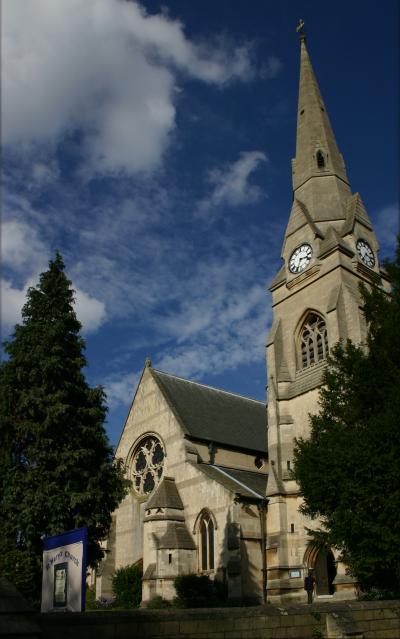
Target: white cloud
[107,68]
[218,321]
[21,248]
[12,301]
[120,389]
[231,184]
[243,344]
[26,255]
[89,311]
[44,173]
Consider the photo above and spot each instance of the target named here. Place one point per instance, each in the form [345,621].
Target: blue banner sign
[64,571]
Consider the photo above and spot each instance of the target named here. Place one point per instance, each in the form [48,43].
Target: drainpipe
[262,509]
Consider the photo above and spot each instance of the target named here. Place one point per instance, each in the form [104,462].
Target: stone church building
[211,471]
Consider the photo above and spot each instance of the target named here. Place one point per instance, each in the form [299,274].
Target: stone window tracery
[313,341]
[147,465]
[206,542]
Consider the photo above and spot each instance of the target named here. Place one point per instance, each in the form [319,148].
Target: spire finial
[148,362]
[300,29]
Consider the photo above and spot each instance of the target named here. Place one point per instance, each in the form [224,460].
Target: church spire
[320,182]
[316,150]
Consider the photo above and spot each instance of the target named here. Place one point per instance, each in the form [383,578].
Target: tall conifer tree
[349,468]
[57,467]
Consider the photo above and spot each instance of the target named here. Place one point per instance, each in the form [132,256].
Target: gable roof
[213,415]
[299,216]
[355,211]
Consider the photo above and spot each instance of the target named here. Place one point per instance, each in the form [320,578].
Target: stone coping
[268,610]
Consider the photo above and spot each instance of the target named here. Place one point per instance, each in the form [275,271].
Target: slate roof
[150,572]
[214,415]
[166,496]
[241,482]
[176,536]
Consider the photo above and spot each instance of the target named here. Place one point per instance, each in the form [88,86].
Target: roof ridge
[239,470]
[240,483]
[218,390]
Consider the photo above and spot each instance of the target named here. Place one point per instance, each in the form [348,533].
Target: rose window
[147,465]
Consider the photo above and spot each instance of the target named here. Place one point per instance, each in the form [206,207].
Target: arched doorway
[321,560]
[325,572]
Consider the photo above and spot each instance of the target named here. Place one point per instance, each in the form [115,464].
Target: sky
[150,143]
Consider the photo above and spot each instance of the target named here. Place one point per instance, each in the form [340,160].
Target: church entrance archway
[322,562]
[325,572]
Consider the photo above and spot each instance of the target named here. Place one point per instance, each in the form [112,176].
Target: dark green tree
[349,468]
[56,465]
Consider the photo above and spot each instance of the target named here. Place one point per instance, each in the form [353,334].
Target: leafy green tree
[56,465]
[349,468]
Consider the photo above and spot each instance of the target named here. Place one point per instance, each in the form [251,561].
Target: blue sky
[151,143]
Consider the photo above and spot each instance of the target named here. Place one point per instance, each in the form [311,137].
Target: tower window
[313,340]
[206,543]
[320,160]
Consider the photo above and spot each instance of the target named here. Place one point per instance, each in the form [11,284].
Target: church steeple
[321,188]
[317,153]
[328,250]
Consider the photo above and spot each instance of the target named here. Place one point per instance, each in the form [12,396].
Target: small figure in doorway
[309,584]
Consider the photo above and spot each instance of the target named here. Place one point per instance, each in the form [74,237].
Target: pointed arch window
[206,542]
[320,160]
[313,340]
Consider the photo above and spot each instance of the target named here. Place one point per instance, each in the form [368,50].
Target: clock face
[300,258]
[366,253]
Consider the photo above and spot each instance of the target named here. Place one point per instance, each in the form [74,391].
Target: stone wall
[359,620]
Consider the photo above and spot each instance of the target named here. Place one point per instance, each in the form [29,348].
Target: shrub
[127,586]
[158,602]
[376,594]
[93,604]
[90,597]
[195,591]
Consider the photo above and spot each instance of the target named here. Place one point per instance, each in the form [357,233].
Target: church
[212,491]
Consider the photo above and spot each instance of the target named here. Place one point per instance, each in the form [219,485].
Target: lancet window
[320,160]
[313,340]
[206,542]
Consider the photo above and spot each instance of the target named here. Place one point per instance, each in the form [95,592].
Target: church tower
[329,248]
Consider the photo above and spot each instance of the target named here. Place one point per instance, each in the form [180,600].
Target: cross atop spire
[300,29]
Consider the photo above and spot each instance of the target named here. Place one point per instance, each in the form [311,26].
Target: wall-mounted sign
[294,573]
[64,571]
